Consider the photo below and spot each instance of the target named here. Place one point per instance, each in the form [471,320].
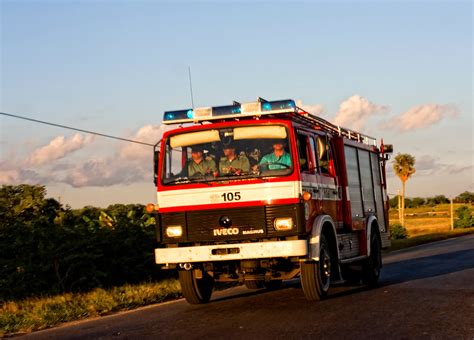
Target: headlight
[174,231]
[283,223]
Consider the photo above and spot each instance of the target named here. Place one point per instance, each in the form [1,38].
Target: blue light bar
[229,111]
[278,105]
[225,110]
[171,116]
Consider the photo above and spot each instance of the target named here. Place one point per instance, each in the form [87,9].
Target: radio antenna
[191,86]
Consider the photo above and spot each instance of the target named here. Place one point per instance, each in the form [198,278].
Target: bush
[464,217]
[48,249]
[398,232]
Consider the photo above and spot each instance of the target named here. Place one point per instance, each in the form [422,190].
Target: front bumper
[226,252]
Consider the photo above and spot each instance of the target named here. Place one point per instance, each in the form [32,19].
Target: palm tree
[404,167]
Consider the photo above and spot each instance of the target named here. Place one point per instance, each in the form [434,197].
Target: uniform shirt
[271,158]
[205,166]
[240,162]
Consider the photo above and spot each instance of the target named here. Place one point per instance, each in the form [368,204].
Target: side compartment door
[354,187]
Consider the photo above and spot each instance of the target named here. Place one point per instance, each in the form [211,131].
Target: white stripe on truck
[268,191]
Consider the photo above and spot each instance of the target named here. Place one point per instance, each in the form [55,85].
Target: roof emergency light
[230,111]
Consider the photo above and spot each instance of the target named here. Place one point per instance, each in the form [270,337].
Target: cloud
[427,165]
[148,134]
[21,176]
[106,172]
[423,115]
[59,147]
[458,168]
[316,109]
[355,111]
[131,164]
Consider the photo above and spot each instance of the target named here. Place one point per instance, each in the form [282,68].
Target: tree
[417,202]
[465,197]
[404,168]
[438,199]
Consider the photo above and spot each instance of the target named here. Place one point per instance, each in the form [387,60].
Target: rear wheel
[196,291]
[316,276]
[372,266]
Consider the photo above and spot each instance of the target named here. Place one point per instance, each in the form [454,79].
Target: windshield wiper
[179,180]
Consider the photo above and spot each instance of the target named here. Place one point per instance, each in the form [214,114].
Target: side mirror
[388,148]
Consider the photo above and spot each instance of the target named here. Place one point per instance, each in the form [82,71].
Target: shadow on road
[426,267]
[392,273]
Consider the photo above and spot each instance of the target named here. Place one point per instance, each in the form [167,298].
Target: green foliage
[464,217]
[39,313]
[439,199]
[417,202]
[465,197]
[393,202]
[404,166]
[48,249]
[398,232]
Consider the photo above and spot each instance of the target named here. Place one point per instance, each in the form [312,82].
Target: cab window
[325,159]
[305,154]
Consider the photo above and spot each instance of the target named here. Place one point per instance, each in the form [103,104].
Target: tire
[372,266]
[254,284]
[316,276]
[195,291]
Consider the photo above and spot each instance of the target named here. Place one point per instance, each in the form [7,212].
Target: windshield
[227,153]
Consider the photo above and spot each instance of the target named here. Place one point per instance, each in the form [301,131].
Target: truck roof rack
[261,107]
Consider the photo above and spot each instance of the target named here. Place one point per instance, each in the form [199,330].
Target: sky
[401,71]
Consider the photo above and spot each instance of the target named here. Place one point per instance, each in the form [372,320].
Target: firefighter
[278,159]
[232,163]
[198,165]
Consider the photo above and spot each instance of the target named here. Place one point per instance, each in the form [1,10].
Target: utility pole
[452,214]
[399,207]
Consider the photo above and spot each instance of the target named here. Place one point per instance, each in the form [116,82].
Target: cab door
[329,192]
[308,168]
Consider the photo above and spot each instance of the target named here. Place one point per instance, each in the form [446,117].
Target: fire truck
[261,192]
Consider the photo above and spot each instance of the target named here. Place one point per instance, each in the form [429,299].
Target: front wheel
[196,291]
[372,266]
[316,276]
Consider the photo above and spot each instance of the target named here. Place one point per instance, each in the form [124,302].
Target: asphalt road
[425,292]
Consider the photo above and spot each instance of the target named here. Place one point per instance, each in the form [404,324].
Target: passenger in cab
[198,165]
[232,163]
[278,159]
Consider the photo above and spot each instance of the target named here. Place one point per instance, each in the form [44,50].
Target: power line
[76,129]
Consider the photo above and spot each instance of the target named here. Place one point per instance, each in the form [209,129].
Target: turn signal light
[307,196]
[150,208]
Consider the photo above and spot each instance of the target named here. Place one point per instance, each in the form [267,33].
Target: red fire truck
[262,192]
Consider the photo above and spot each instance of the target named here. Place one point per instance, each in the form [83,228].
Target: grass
[427,224]
[39,313]
[427,238]
[426,220]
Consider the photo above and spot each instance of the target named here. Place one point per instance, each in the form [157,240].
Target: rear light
[283,223]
